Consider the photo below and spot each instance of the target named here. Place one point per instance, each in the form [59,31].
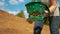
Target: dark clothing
[53,23]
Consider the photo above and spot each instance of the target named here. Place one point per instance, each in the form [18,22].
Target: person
[54,18]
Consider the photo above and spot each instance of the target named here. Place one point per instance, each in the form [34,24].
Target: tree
[21,14]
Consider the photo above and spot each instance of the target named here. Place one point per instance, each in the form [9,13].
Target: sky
[15,6]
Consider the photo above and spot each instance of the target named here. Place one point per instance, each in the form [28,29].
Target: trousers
[53,24]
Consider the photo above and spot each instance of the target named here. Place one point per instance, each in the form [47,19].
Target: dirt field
[10,24]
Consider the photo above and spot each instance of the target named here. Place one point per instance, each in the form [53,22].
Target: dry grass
[10,24]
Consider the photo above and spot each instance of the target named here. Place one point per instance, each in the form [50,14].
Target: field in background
[10,24]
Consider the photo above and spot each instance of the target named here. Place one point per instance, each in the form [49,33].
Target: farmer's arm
[53,6]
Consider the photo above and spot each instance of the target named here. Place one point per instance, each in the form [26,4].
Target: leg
[54,25]
[38,27]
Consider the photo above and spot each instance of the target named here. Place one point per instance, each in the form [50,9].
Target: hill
[10,24]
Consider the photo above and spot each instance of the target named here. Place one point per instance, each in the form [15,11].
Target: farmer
[54,18]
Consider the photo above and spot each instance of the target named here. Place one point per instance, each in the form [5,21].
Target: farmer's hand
[30,21]
[46,13]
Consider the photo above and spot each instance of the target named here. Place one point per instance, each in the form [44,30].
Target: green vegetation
[21,14]
[47,22]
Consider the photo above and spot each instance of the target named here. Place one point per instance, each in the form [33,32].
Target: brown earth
[10,24]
